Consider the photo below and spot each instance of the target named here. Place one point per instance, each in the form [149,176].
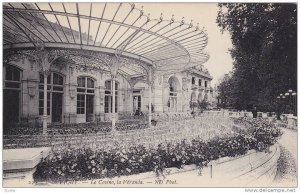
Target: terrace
[178,143]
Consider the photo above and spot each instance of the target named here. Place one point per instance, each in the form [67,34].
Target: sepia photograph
[149,94]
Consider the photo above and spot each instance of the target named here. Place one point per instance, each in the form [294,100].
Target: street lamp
[294,98]
[288,95]
[279,106]
[289,105]
[291,95]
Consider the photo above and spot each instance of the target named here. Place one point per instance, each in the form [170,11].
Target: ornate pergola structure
[114,37]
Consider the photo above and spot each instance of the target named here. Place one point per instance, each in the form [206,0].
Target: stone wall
[253,169]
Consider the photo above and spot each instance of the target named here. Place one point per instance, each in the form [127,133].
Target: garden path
[287,163]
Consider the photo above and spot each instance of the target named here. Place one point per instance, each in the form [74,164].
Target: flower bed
[263,130]
[69,163]
[161,117]
[85,128]
[258,124]
[22,130]
[81,128]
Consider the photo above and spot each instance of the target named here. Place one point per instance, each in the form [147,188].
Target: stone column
[114,69]
[165,93]
[179,101]
[97,102]
[130,100]
[150,100]
[113,113]
[130,96]
[45,58]
[185,94]
[150,83]
[30,96]
[45,114]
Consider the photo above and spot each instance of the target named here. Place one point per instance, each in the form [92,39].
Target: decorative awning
[166,45]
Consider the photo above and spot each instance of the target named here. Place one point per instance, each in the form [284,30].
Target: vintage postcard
[99,94]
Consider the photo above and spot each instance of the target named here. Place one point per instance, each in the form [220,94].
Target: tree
[264,38]
[226,91]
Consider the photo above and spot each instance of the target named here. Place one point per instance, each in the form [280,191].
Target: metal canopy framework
[166,45]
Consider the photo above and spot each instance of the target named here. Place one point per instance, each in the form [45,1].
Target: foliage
[264,38]
[203,104]
[22,130]
[81,128]
[70,163]
[263,131]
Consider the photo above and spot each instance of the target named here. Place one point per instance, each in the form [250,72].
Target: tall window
[199,82]
[172,86]
[54,87]
[85,95]
[11,95]
[108,97]
[193,80]
[172,94]
[205,84]
[12,78]
[80,104]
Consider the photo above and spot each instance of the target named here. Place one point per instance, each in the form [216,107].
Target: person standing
[254,112]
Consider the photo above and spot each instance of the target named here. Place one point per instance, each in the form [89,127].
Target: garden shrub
[71,163]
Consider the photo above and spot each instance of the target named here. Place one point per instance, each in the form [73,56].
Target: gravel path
[287,163]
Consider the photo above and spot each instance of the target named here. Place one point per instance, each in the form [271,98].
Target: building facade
[103,76]
[77,95]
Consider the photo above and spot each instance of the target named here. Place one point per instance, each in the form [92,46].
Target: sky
[205,14]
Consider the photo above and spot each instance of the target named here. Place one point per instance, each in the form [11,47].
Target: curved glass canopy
[166,45]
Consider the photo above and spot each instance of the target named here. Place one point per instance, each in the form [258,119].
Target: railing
[288,121]
[202,127]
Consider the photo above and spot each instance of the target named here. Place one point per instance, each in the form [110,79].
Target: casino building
[61,65]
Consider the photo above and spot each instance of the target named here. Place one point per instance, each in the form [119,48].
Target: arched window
[55,88]
[12,95]
[108,97]
[172,94]
[173,87]
[85,97]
